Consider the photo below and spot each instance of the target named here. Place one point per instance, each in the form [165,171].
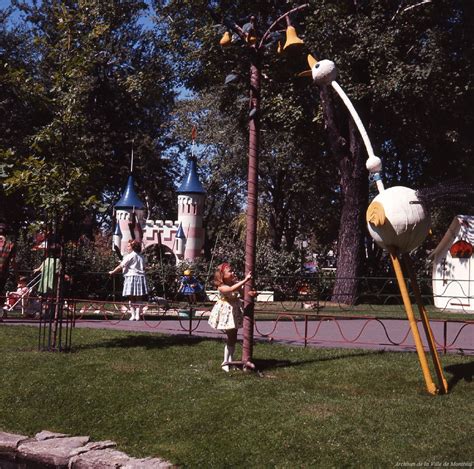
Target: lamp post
[249,34]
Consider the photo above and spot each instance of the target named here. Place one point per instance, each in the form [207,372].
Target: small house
[453,267]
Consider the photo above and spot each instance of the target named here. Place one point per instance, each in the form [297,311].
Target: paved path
[365,333]
[339,332]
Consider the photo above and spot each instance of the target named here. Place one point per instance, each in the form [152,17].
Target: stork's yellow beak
[311,62]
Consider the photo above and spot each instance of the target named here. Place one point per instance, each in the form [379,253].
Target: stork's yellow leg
[443,384]
[411,319]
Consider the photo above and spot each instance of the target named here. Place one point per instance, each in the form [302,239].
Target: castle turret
[129,216]
[191,195]
[117,240]
[179,242]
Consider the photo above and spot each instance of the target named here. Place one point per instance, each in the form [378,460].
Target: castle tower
[191,195]
[129,216]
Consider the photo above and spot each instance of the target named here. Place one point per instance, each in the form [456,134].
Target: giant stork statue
[398,222]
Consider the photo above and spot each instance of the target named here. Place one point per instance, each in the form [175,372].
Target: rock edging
[61,451]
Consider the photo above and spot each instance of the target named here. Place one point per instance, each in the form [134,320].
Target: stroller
[28,305]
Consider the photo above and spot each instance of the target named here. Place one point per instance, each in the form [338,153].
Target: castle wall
[159,231]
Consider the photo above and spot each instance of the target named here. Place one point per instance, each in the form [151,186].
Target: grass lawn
[164,396]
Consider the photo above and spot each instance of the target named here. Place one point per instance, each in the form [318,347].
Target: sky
[145,21]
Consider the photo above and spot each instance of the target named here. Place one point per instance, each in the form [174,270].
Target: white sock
[231,349]
[226,359]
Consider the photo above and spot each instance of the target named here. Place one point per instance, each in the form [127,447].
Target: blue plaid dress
[133,266]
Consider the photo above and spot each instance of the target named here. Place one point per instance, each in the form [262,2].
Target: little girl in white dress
[227,313]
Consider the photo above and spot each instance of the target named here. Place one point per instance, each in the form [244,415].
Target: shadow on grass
[270,364]
[463,371]
[147,341]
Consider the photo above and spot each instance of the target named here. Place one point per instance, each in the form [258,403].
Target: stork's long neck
[362,131]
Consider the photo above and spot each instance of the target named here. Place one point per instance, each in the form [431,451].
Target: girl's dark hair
[136,245]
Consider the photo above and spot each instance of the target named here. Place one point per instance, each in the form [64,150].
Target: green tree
[406,66]
[219,147]
[104,85]
[289,152]
[18,102]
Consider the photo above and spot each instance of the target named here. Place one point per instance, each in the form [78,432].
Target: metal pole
[252,200]
[252,183]
[305,330]
[190,330]
[445,337]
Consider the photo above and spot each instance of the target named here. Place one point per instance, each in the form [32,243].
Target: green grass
[166,396]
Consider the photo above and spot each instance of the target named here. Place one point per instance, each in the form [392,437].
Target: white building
[453,267]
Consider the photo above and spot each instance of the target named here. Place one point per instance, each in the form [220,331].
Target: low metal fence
[298,328]
[302,313]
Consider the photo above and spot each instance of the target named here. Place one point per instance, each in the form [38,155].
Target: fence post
[190,319]
[445,336]
[305,330]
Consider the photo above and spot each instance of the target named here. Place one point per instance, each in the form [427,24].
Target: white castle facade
[184,238]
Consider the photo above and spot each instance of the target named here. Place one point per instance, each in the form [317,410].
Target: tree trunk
[345,144]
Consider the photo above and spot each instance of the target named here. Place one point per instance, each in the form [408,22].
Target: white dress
[227,312]
[133,266]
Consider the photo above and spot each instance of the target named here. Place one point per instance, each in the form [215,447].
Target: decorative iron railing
[301,314]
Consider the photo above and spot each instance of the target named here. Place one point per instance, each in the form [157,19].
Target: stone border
[61,451]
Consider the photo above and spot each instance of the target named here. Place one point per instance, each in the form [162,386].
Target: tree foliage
[96,84]
[406,67]
[81,81]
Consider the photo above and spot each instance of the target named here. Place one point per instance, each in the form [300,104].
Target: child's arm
[236,286]
[116,270]
[125,261]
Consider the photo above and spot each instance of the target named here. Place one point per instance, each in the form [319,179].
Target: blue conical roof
[129,197]
[191,183]
[180,233]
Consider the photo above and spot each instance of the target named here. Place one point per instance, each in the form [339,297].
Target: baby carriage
[23,302]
